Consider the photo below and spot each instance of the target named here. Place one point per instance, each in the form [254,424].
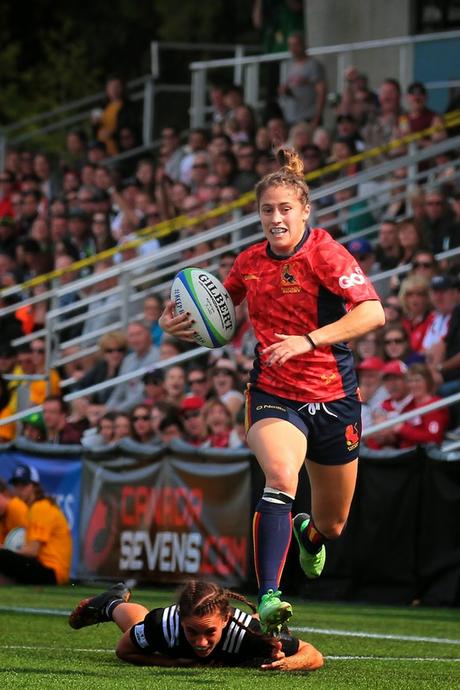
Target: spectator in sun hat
[191,412]
[33,428]
[364,253]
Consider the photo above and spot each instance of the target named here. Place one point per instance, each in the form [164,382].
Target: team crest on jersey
[352,436]
[328,378]
[288,280]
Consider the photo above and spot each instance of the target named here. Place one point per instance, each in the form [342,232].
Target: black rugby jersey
[161,632]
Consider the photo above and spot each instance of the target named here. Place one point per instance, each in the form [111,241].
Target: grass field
[366,647]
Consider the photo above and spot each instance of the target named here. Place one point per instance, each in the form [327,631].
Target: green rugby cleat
[273,612]
[311,563]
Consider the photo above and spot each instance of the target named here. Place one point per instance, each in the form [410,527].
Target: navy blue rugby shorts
[333,429]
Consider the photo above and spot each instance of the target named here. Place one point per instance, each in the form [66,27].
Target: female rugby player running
[307,297]
[202,628]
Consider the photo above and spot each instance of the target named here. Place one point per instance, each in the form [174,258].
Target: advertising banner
[165,522]
[60,478]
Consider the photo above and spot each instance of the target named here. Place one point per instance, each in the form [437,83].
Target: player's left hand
[279,658]
[289,346]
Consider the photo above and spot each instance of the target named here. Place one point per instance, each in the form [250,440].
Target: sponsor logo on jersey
[355,278]
[288,280]
[352,436]
[250,276]
[328,378]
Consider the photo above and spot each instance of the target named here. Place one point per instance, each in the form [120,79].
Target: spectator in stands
[159,411]
[371,388]
[424,264]
[106,427]
[354,216]
[197,141]
[198,382]
[76,150]
[8,236]
[112,350]
[170,428]
[142,354]
[172,151]
[381,128]
[219,423]
[174,384]
[418,116]
[444,299]
[393,310]
[51,383]
[122,426]
[439,228]
[303,93]
[29,211]
[364,253]
[396,383]
[6,190]
[101,232]
[388,250]
[58,429]
[117,114]
[13,511]
[153,387]
[367,346]
[48,180]
[33,428]
[7,431]
[141,423]
[417,312]
[246,160]
[103,311]
[194,425]
[396,344]
[80,233]
[411,241]
[446,364]
[47,551]
[426,428]
[226,385]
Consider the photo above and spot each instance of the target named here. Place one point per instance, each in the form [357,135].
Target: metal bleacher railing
[152,274]
[344,53]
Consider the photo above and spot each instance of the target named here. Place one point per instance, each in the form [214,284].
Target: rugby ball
[15,538]
[198,292]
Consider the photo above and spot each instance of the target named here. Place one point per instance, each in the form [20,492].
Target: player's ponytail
[290,174]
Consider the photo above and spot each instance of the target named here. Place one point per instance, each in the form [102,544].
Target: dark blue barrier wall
[401,544]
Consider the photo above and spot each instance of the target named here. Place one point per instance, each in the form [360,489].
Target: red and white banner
[166,522]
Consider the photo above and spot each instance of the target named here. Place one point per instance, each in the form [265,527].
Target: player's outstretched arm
[126,651]
[307,658]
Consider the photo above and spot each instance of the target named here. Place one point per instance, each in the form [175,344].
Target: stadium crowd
[54,213]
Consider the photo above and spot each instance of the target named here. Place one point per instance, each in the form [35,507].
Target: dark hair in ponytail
[290,174]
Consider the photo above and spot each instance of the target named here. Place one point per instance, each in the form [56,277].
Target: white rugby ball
[15,538]
[197,291]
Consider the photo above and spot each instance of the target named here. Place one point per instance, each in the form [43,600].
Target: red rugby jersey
[295,295]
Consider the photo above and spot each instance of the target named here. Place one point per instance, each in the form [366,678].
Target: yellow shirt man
[49,527]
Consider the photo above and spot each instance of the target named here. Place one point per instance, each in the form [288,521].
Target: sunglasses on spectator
[395,341]
[193,381]
[141,417]
[114,349]
[422,264]
[191,414]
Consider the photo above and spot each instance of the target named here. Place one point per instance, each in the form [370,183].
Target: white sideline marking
[328,658]
[35,611]
[320,631]
[378,636]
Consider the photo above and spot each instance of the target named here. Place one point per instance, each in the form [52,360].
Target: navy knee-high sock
[272,529]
